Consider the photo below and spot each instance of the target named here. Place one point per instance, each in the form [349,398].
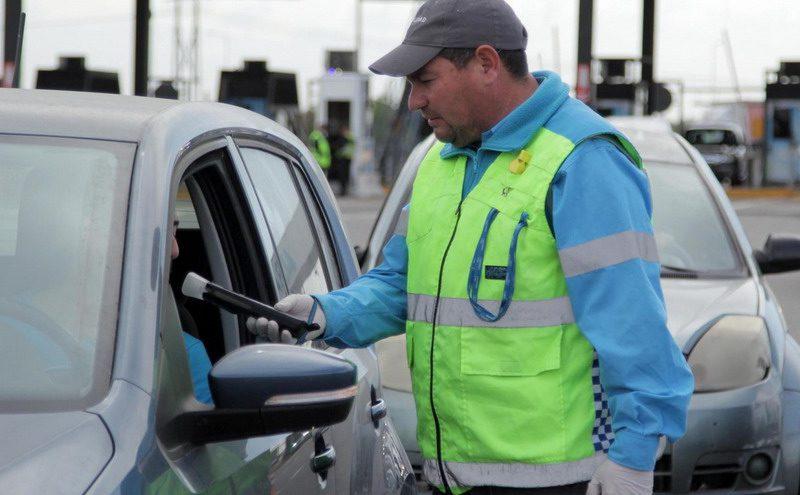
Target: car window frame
[196,150]
[330,262]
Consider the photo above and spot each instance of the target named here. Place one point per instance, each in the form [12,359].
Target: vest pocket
[510,352]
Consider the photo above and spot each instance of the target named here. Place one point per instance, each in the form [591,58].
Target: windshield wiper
[677,271]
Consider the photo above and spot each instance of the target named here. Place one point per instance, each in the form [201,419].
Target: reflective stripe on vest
[455,312]
[470,474]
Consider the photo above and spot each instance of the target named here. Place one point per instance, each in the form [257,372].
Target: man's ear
[488,60]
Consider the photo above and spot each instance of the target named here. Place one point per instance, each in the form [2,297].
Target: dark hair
[515,61]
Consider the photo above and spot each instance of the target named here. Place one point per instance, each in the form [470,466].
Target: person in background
[199,362]
[321,148]
[342,150]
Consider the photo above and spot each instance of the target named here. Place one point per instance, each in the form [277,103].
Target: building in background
[254,87]
[72,75]
[343,101]
[782,125]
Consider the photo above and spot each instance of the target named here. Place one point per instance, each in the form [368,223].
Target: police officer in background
[524,273]
[321,148]
[342,149]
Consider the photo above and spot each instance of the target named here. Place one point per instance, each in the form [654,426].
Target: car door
[305,254]
[294,253]
[231,238]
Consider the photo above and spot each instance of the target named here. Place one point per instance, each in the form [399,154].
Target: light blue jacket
[620,309]
[199,367]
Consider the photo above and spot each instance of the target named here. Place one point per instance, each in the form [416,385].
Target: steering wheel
[47,333]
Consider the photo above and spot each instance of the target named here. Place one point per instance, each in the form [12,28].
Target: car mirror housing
[267,389]
[781,253]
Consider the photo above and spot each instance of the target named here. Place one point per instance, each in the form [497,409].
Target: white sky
[294,34]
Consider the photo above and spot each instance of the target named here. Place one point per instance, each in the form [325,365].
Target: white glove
[612,479]
[297,305]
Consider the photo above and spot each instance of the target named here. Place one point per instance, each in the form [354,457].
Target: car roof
[76,114]
[119,117]
[653,138]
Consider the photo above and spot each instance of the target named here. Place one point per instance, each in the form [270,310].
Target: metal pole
[141,48]
[359,32]
[195,49]
[18,55]
[731,65]
[583,86]
[556,48]
[12,17]
[648,41]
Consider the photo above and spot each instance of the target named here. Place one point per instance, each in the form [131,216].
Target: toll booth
[618,89]
[254,87]
[343,99]
[782,125]
[72,75]
[615,93]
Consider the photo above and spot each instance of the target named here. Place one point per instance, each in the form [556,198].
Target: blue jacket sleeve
[199,367]
[374,306]
[601,218]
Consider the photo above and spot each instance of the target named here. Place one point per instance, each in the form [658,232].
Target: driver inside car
[199,362]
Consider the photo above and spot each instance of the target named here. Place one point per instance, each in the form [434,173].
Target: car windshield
[711,137]
[63,206]
[690,232]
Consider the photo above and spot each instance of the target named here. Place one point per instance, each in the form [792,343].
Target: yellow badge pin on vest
[520,163]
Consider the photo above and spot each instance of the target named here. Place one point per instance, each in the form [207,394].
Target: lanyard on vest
[473,283]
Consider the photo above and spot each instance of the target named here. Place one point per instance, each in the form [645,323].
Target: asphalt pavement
[359,216]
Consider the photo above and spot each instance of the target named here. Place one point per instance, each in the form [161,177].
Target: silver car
[96,394]
[743,432]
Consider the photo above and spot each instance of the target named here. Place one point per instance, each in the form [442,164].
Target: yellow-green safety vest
[503,380]
[321,148]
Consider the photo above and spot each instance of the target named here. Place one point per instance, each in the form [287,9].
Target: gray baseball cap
[443,24]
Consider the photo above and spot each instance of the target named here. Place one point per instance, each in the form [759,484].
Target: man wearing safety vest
[320,148]
[524,273]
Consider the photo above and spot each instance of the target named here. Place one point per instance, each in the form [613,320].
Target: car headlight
[732,353]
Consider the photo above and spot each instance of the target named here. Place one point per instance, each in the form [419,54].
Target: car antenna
[18,55]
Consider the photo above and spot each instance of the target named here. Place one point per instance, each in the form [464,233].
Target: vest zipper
[433,339]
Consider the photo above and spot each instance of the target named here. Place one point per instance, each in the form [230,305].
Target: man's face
[446,96]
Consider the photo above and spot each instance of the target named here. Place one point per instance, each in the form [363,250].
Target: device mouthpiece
[194,286]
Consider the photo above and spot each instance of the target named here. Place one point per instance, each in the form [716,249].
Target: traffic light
[72,75]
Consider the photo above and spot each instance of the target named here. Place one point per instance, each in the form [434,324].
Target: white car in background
[743,433]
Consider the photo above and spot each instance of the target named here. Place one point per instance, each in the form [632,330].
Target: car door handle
[378,411]
[322,462]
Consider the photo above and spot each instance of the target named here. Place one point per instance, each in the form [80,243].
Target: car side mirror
[781,253]
[266,389]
